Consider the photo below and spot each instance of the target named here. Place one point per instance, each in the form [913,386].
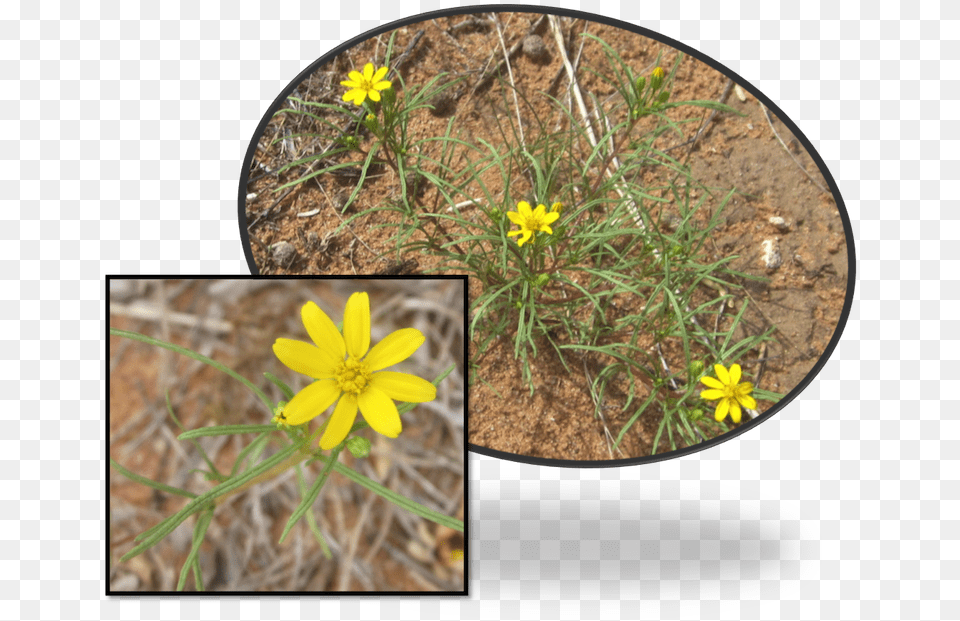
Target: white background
[124,126]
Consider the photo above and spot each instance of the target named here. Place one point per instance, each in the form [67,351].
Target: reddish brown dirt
[802,299]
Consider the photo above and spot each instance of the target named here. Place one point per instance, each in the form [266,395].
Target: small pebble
[283,253]
[251,196]
[771,254]
[534,47]
[780,223]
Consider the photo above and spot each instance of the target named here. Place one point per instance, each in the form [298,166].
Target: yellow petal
[311,402]
[524,208]
[515,218]
[722,374]
[322,330]
[350,84]
[745,399]
[712,394]
[368,72]
[396,346]
[356,76]
[735,374]
[383,85]
[340,423]
[373,95]
[546,229]
[356,95]
[539,211]
[711,382]
[734,411]
[356,323]
[379,410]
[551,217]
[305,358]
[722,408]
[379,75]
[512,233]
[404,387]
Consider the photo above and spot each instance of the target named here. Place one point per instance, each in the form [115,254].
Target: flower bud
[640,85]
[656,79]
[278,418]
[696,369]
[358,446]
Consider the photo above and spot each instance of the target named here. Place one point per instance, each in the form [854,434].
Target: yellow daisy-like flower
[731,393]
[532,221]
[366,84]
[350,373]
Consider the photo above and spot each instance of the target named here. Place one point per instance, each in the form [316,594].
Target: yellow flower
[531,221]
[731,393]
[350,373]
[557,208]
[367,84]
[658,73]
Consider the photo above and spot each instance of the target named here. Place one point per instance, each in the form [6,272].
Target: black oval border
[616,23]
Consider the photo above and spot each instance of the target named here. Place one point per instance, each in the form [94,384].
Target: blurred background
[376,546]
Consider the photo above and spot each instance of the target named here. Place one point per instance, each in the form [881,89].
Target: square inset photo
[297,435]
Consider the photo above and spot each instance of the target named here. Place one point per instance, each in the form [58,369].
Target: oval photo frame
[757,274]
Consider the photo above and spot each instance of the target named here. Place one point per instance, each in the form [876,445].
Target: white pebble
[534,47]
[283,253]
[771,254]
[780,223]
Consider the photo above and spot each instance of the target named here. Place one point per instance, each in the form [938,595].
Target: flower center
[535,222]
[352,375]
